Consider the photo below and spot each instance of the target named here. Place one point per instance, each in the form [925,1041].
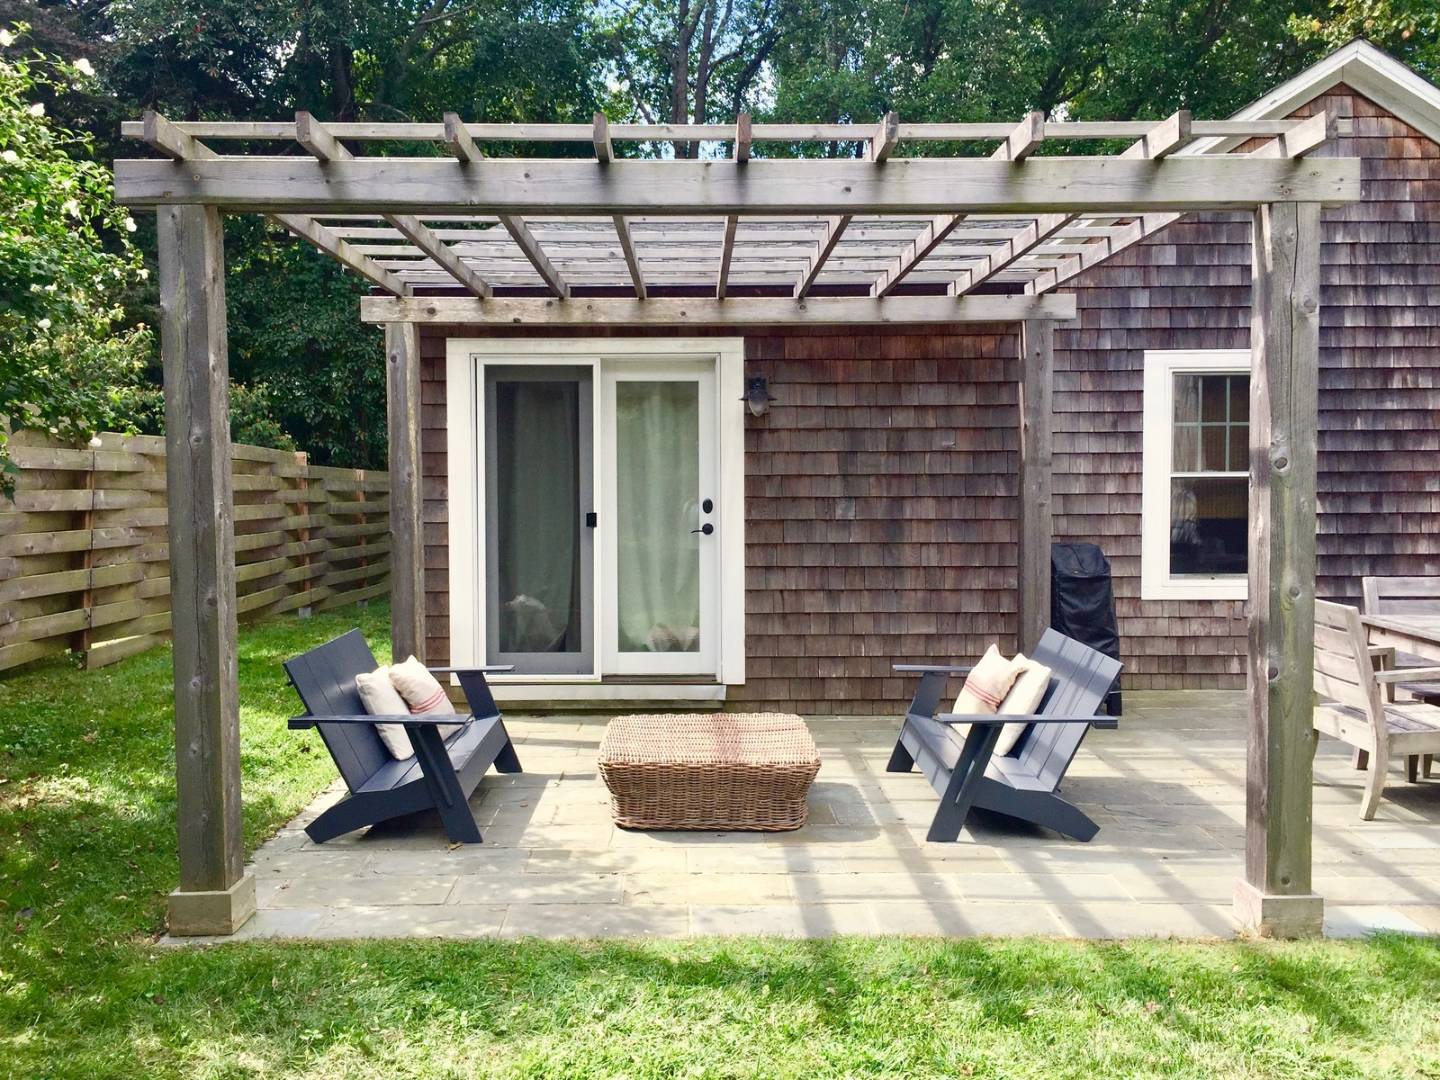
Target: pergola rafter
[809,241]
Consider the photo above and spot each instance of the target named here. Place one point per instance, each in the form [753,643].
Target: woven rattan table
[709,771]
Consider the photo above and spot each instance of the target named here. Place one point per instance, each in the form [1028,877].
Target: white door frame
[464,442]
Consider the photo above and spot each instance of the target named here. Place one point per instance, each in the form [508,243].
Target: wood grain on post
[1285,336]
[1036,528]
[202,571]
[407,563]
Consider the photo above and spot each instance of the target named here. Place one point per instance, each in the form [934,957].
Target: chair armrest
[1105,722]
[496,669]
[300,723]
[924,669]
[1408,674]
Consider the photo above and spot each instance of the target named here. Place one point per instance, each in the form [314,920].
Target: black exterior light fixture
[757,396]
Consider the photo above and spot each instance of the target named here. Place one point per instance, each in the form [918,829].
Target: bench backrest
[1080,678]
[1401,595]
[324,678]
[1344,672]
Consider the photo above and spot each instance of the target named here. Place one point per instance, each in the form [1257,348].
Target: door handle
[707,529]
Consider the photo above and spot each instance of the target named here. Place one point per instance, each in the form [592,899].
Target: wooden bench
[441,774]
[1358,704]
[1025,784]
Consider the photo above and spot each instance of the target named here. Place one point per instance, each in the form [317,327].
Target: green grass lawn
[87,838]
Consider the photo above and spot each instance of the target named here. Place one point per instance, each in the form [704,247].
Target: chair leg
[443,785]
[1373,787]
[507,761]
[901,759]
[1360,759]
[1412,768]
[1427,765]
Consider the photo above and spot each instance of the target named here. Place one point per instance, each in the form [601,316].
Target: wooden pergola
[449,234]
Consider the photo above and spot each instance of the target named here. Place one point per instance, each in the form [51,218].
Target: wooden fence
[84,548]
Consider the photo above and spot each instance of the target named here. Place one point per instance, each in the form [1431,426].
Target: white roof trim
[1360,66]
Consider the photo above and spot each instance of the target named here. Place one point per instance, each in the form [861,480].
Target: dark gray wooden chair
[1024,784]
[442,773]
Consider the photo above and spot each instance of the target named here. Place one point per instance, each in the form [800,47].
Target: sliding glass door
[539,466]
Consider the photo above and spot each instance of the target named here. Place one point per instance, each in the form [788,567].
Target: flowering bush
[68,363]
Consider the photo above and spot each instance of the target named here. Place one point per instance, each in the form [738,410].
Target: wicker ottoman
[709,771]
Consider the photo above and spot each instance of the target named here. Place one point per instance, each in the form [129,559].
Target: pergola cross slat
[1007,224]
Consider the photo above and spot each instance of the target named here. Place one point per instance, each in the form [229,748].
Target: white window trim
[1156,581]
[462,389]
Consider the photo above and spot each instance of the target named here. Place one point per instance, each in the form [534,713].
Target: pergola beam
[526,242]
[882,142]
[834,229]
[711,188]
[383,131]
[681,311]
[322,145]
[1016,247]
[457,137]
[311,231]
[1021,143]
[418,234]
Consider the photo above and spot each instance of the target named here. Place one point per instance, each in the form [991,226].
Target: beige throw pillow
[985,687]
[1023,699]
[381,698]
[987,684]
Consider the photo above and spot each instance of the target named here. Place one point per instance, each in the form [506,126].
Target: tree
[1408,28]
[694,61]
[68,363]
[1085,59]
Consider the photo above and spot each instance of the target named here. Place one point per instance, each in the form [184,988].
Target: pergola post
[1275,897]
[1037,374]
[407,541]
[216,895]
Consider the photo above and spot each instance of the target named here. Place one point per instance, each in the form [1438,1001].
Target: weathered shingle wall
[880,509]
[1189,287]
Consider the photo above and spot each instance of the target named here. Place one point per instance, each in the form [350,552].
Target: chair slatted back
[1401,595]
[1080,678]
[324,678]
[1344,672]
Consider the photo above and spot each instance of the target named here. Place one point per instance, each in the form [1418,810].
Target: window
[1196,483]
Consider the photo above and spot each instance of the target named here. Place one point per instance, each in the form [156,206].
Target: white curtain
[657,477]
[538,469]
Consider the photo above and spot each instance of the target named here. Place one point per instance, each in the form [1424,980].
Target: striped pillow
[422,692]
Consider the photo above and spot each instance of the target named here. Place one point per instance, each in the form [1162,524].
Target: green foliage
[295,330]
[68,364]
[1085,59]
[1408,28]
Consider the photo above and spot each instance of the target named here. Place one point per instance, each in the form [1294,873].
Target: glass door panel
[659,466]
[657,483]
[538,549]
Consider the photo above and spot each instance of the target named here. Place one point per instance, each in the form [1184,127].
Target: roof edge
[1363,67]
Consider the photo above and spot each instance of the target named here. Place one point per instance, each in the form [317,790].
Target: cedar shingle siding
[880,489]
[1188,287]
[880,508]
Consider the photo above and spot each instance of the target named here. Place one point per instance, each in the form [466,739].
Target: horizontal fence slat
[84,547]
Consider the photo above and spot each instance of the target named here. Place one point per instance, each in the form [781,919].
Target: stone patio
[1167,790]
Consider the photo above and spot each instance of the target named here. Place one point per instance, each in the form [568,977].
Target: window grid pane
[1208,509]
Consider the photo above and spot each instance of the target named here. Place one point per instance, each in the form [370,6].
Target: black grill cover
[1082,602]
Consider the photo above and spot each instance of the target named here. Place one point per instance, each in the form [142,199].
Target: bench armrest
[300,723]
[925,669]
[1412,674]
[1106,722]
